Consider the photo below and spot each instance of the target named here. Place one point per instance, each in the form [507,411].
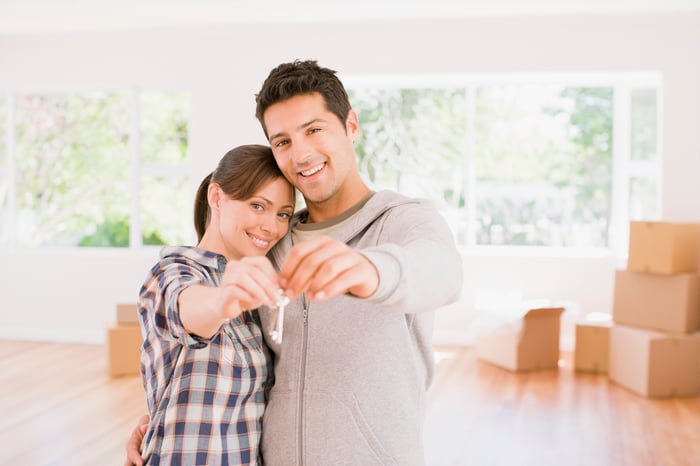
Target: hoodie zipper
[302,380]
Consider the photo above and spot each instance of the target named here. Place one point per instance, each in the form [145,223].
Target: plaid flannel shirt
[206,397]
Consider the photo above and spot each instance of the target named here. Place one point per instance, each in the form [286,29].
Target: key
[282,301]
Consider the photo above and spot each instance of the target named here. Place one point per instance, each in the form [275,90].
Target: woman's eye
[257,206]
[285,215]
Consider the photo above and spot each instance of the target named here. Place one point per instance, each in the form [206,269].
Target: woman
[203,362]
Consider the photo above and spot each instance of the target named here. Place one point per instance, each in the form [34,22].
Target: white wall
[69,296]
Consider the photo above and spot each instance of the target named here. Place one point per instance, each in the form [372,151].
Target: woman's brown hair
[240,173]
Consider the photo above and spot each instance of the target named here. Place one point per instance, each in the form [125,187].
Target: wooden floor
[59,407]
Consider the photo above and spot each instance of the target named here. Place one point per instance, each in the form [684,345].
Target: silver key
[282,301]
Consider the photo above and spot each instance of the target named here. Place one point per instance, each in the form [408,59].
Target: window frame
[623,167]
[138,170]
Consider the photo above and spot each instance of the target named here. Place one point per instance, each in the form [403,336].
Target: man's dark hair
[300,78]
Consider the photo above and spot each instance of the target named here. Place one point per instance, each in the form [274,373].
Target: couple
[363,270]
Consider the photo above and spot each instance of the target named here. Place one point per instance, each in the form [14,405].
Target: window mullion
[135,236]
[11,172]
[619,228]
[470,168]
[643,169]
[659,144]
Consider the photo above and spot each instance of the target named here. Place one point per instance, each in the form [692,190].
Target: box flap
[543,312]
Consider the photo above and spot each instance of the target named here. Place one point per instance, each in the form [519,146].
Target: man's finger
[296,276]
[351,273]
[332,277]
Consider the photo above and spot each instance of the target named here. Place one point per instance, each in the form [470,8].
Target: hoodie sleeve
[419,266]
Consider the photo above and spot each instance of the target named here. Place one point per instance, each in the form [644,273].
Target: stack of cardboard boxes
[654,339]
[124,342]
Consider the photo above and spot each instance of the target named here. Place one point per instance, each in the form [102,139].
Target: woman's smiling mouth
[260,242]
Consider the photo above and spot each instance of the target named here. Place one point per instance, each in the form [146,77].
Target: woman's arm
[246,284]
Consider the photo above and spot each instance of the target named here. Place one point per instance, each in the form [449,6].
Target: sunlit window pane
[643,201]
[413,141]
[166,210]
[643,109]
[164,125]
[73,168]
[543,165]
[3,135]
[5,220]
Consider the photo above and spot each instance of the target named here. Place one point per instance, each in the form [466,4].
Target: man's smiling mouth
[312,170]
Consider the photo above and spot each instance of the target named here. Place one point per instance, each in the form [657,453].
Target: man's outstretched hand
[323,267]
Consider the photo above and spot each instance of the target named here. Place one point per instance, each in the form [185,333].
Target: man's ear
[352,125]
[214,196]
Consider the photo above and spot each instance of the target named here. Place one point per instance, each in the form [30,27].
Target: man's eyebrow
[301,126]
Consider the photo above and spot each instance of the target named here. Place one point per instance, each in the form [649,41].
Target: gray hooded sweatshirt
[351,374]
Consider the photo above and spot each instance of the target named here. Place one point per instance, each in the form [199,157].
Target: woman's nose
[268,223]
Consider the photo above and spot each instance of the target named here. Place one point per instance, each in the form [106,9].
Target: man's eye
[281,143]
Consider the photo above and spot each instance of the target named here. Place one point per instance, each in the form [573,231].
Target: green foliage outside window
[4,184]
[74,175]
[403,144]
[412,141]
[73,166]
[165,200]
[164,127]
[542,156]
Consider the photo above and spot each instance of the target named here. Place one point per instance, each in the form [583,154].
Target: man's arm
[414,266]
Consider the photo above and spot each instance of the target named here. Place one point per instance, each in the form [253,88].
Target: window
[412,141]
[96,169]
[644,157]
[517,161]
[4,173]
[164,166]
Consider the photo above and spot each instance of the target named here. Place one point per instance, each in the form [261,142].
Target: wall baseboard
[53,335]
[452,338]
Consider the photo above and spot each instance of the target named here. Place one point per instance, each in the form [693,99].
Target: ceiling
[40,16]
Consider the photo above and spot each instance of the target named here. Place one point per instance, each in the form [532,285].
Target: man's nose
[301,151]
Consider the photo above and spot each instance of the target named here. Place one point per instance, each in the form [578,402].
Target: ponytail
[201,207]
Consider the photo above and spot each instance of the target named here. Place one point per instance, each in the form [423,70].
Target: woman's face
[252,226]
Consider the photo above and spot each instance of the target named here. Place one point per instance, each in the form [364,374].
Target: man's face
[312,147]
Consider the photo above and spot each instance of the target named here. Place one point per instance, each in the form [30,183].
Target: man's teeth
[311,171]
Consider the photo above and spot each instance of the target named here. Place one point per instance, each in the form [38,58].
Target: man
[365,272]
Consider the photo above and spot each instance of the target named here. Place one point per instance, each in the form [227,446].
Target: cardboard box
[669,303]
[655,364]
[127,314]
[663,247]
[592,346]
[124,349]
[532,344]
